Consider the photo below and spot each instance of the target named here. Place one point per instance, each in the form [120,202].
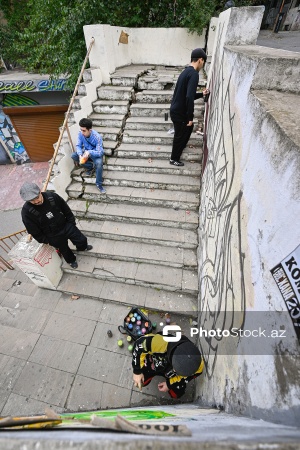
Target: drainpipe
[279,18]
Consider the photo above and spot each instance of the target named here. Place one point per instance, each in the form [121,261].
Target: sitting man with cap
[178,362]
[182,106]
[48,218]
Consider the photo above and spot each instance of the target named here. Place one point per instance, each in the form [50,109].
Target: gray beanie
[29,191]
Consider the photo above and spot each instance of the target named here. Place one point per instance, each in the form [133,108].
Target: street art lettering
[51,85]
[287,277]
[129,414]
[32,86]
[17,86]
[221,269]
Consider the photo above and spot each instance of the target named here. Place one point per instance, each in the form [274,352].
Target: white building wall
[160,46]
[249,190]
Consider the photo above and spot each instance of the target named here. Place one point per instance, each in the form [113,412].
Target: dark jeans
[92,162]
[60,241]
[182,134]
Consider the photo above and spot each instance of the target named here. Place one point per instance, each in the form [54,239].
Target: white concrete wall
[249,201]
[166,46]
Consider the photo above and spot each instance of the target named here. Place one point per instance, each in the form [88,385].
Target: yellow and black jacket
[160,352]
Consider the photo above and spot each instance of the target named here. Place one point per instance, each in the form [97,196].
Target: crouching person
[48,218]
[178,362]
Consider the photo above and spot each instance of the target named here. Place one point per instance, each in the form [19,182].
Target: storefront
[32,109]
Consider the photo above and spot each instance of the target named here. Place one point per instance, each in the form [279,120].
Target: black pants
[182,134]
[149,373]
[60,241]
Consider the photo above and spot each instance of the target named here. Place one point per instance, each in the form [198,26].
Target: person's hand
[190,123]
[206,91]
[138,380]
[83,158]
[162,387]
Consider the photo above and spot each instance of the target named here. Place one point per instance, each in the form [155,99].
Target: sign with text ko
[287,277]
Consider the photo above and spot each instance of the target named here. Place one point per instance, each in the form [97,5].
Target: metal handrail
[67,114]
[64,126]
[6,244]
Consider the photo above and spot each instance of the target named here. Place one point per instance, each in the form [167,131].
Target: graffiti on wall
[10,140]
[18,100]
[32,86]
[221,270]
[8,135]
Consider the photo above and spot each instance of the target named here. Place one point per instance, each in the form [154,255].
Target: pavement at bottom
[55,352]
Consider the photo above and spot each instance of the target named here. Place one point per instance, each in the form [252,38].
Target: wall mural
[8,135]
[18,100]
[221,271]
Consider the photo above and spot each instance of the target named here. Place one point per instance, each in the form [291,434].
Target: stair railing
[7,242]
[67,116]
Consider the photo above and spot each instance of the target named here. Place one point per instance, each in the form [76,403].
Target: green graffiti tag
[129,414]
[17,86]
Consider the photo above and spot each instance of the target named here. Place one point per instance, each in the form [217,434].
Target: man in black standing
[182,106]
[49,220]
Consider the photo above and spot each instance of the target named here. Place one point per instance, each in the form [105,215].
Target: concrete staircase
[144,230]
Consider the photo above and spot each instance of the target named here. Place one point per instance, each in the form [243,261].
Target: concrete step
[87,75]
[173,279]
[159,110]
[141,214]
[76,104]
[107,107]
[151,166]
[108,120]
[142,196]
[157,152]
[156,137]
[134,69]
[127,294]
[146,180]
[140,252]
[149,123]
[130,232]
[125,78]
[157,83]
[109,146]
[161,81]
[82,88]
[108,92]
[108,134]
[152,96]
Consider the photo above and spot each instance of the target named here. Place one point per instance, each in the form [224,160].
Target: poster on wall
[287,277]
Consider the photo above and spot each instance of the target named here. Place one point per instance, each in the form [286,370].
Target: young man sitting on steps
[89,151]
